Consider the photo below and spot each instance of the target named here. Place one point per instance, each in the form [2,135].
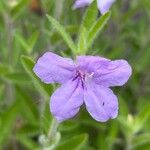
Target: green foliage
[25,34]
[8,119]
[90,16]
[75,143]
[18,7]
[82,43]
[28,143]
[27,106]
[90,28]
[20,78]
[28,44]
[66,37]
[141,140]
[28,64]
[96,28]
[4,69]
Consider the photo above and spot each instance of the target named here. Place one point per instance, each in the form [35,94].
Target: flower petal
[113,73]
[104,5]
[81,3]
[66,100]
[52,68]
[105,72]
[90,63]
[100,102]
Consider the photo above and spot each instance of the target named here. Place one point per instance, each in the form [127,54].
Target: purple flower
[103,5]
[85,81]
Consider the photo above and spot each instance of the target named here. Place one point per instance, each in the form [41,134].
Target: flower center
[82,76]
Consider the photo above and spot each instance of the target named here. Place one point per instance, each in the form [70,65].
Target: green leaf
[123,107]
[68,126]
[29,129]
[82,43]
[140,140]
[142,117]
[90,16]
[55,37]
[66,37]
[88,20]
[45,118]
[19,7]
[27,45]
[4,69]
[143,62]
[22,42]
[145,146]
[8,120]
[28,106]
[125,125]
[2,6]
[28,65]
[25,140]
[102,142]
[19,78]
[76,143]
[112,134]
[2,91]
[32,40]
[97,27]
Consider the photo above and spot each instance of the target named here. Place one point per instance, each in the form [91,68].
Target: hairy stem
[53,130]
[128,145]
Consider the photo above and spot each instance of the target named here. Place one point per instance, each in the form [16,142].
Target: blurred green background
[24,100]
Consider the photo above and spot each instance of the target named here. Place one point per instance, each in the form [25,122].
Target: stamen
[91,75]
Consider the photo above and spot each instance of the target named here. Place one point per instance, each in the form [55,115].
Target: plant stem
[58,8]
[53,130]
[9,33]
[128,145]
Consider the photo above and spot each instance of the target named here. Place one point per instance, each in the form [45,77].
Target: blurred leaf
[143,61]
[140,140]
[28,65]
[2,88]
[30,130]
[146,4]
[125,126]
[4,69]
[27,44]
[22,42]
[8,120]
[76,143]
[2,6]
[45,118]
[123,107]
[112,134]
[18,7]
[102,141]
[145,146]
[68,126]
[66,37]
[28,142]
[28,106]
[19,78]
[97,27]
[32,41]
[142,117]
[55,37]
